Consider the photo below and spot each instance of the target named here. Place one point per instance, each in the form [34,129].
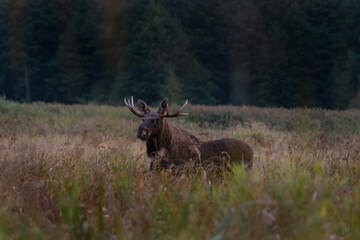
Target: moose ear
[164,107]
[143,107]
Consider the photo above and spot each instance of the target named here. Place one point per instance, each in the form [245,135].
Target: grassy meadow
[78,172]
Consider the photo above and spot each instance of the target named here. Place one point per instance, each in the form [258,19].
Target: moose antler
[178,113]
[131,107]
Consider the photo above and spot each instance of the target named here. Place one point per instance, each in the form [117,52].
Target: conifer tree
[158,48]
[17,49]
[42,41]
[4,64]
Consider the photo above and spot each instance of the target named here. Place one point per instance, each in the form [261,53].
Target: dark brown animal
[171,146]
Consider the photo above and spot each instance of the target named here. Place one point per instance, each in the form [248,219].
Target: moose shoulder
[171,146]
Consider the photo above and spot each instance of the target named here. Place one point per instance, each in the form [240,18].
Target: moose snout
[143,133]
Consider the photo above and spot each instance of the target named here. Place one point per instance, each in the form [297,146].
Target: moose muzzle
[143,133]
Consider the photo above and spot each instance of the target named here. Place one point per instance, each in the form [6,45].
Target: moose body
[168,146]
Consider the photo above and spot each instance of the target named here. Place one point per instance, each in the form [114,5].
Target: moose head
[152,120]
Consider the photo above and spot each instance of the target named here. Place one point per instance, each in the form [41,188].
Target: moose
[169,146]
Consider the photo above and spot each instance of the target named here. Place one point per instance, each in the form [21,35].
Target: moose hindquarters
[238,151]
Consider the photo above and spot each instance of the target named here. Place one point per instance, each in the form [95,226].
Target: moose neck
[163,139]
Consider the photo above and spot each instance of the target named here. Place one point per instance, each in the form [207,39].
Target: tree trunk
[27,85]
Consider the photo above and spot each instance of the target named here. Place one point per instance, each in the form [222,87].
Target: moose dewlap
[168,146]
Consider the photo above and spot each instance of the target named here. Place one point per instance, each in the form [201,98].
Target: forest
[268,53]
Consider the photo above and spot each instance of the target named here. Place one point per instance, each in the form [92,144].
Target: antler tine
[179,113]
[130,104]
[132,101]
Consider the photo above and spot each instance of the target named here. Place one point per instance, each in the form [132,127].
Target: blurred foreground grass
[78,172]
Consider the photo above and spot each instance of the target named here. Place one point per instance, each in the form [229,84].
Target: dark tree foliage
[159,60]
[299,53]
[42,42]
[4,62]
[205,29]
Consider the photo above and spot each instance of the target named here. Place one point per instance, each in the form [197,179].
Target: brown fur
[176,146]
[171,146]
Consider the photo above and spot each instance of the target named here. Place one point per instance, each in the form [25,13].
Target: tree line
[287,53]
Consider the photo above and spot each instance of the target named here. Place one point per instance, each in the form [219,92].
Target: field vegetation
[78,172]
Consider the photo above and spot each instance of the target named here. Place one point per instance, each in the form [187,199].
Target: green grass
[78,172]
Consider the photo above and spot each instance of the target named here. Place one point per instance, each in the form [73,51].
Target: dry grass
[78,172]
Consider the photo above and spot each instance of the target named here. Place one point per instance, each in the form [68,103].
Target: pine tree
[206,29]
[300,50]
[246,38]
[158,48]
[321,15]
[17,50]
[278,66]
[172,88]
[4,63]
[344,69]
[42,41]
[111,24]
[78,59]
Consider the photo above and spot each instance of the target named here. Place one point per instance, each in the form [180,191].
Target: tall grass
[78,172]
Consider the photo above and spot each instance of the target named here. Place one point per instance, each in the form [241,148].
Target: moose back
[169,146]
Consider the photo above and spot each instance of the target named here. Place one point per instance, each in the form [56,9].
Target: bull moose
[169,146]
